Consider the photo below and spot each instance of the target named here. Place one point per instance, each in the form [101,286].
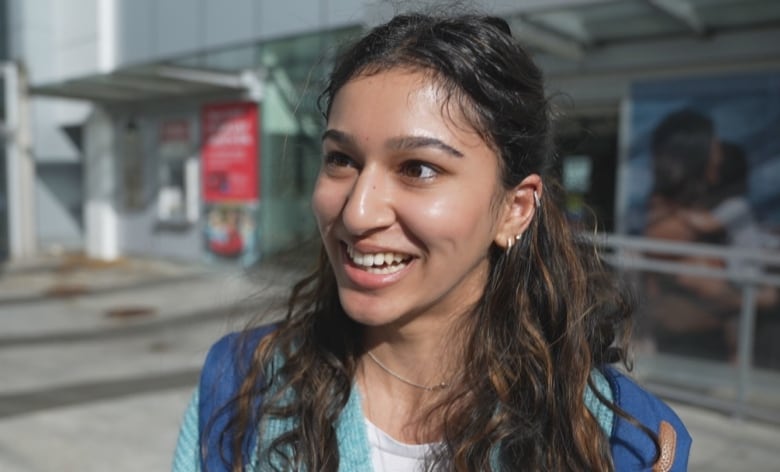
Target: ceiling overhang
[145,83]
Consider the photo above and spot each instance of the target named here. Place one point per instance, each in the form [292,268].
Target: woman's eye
[337,159]
[419,170]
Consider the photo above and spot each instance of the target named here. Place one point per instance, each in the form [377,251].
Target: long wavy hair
[550,312]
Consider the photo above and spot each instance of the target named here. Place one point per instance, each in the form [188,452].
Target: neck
[393,391]
[420,355]
[423,351]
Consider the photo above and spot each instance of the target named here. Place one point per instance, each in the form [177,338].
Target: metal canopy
[570,29]
[144,83]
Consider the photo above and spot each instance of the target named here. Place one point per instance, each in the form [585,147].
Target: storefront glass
[292,71]
[700,197]
[291,125]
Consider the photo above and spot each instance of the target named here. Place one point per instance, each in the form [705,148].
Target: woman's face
[407,201]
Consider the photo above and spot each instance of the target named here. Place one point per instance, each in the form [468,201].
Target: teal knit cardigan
[354,452]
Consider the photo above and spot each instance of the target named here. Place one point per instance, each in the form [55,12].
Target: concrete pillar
[100,182]
[20,165]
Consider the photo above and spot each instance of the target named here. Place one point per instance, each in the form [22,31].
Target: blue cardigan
[226,364]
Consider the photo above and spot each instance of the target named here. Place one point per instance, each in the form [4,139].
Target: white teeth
[379,263]
[385,270]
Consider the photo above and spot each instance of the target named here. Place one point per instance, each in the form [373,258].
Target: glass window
[177,167]
[588,149]
[290,134]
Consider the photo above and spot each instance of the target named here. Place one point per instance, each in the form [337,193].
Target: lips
[381,263]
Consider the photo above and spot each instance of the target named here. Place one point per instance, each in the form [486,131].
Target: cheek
[457,219]
[325,202]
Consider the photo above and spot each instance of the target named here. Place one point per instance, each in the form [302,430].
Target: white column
[106,29]
[100,183]
[20,166]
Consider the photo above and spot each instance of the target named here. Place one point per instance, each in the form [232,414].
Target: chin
[362,310]
[367,318]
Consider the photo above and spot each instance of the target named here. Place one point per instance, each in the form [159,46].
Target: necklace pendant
[427,388]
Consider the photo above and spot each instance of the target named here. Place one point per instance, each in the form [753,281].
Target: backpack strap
[632,449]
[226,366]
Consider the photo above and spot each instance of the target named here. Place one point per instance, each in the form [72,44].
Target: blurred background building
[189,130]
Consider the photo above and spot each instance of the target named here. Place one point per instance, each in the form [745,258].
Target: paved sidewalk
[72,275]
[98,360]
[721,443]
[97,378]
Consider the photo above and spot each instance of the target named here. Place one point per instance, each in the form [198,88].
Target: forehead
[401,102]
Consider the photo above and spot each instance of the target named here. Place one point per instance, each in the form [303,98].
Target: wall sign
[229,152]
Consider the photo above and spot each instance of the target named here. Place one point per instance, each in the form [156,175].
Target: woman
[454,323]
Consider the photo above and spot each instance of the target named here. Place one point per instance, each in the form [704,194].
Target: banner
[704,167]
[231,232]
[229,152]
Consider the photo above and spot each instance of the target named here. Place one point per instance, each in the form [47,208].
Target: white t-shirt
[389,455]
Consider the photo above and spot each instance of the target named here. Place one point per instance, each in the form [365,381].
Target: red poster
[230,152]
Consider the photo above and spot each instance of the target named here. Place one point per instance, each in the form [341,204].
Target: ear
[518,210]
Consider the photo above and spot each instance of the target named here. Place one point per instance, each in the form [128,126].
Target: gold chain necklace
[427,388]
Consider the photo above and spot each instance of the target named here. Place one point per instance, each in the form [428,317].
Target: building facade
[189,130]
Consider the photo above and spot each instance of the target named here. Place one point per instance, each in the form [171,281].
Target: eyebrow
[338,136]
[401,143]
[406,143]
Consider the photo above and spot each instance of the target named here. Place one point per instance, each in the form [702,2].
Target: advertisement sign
[700,142]
[703,166]
[231,232]
[229,153]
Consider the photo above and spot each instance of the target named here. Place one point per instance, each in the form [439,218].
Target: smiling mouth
[378,262]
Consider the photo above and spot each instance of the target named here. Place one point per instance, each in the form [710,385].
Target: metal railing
[745,268]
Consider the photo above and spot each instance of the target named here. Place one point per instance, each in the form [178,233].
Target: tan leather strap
[667,441]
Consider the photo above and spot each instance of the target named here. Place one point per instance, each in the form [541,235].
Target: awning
[146,83]
[570,29]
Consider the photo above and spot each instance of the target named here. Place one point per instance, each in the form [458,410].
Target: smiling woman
[455,322]
[400,178]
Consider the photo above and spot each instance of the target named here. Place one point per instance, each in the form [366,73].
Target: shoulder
[227,363]
[632,448]
[235,346]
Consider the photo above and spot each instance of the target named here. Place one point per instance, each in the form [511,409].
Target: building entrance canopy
[147,82]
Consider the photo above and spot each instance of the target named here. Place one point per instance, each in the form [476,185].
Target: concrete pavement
[98,362]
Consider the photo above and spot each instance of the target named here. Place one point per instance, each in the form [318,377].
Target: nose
[369,205]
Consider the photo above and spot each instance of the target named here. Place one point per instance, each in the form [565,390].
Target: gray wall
[139,231]
[154,29]
[64,39]
[58,188]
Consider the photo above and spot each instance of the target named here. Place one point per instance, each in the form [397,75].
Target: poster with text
[230,152]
